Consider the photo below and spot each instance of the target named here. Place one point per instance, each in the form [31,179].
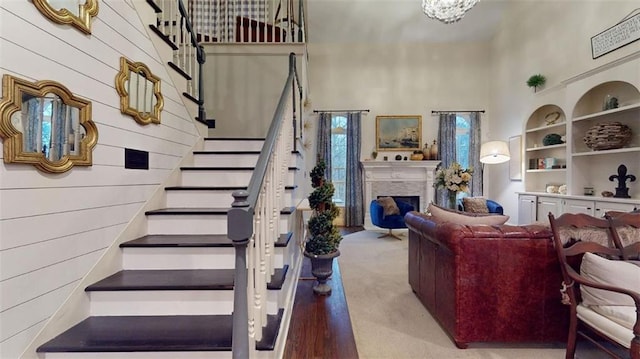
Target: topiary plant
[324,237]
[536,81]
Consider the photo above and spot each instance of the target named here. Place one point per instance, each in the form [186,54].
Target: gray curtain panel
[353,207]
[446,150]
[31,125]
[323,149]
[474,154]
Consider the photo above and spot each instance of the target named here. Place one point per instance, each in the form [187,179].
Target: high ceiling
[393,21]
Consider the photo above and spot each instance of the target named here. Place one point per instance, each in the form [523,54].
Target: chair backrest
[573,236]
[626,232]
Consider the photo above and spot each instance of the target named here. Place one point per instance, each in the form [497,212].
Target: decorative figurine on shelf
[552,118]
[610,102]
[622,191]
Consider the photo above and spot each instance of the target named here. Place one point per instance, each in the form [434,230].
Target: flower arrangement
[454,178]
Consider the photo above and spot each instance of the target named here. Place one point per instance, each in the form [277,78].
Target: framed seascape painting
[398,133]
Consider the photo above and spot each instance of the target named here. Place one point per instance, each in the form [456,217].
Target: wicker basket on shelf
[607,136]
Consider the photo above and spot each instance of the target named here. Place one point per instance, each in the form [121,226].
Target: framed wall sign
[617,36]
[398,133]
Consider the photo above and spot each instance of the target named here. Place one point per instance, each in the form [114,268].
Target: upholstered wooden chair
[597,285]
[626,232]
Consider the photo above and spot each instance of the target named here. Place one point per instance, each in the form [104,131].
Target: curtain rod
[317,111]
[454,111]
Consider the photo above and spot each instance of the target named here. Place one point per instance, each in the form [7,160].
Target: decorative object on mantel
[433,151]
[454,179]
[398,157]
[621,34]
[426,152]
[552,118]
[622,191]
[416,156]
[536,81]
[374,154]
[607,136]
[321,246]
[552,139]
[610,102]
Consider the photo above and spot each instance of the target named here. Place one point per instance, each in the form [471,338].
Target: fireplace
[408,180]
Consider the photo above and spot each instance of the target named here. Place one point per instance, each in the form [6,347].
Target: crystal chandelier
[447,11]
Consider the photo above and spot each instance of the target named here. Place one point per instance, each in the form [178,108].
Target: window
[339,156]
[463,139]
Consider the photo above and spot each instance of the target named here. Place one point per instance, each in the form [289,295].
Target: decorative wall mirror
[71,12]
[139,92]
[44,124]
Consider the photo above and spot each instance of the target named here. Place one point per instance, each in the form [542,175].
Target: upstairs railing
[254,220]
[189,57]
[249,21]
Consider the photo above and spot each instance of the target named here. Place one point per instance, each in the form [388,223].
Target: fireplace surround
[399,179]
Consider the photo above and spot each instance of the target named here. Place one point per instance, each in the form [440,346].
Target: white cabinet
[546,205]
[578,206]
[526,209]
[604,207]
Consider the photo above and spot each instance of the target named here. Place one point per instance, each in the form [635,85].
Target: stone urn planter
[322,269]
[321,245]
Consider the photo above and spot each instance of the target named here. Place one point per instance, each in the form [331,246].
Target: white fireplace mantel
[399,178]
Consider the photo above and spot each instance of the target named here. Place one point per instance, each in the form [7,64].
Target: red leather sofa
[487,283]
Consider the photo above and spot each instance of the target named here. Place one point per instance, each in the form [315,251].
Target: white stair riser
[231,160]
[210,199]
[189,258]
[216,160]
[195,224]
[224,178]
[217,145]
[162,302]
[142,355]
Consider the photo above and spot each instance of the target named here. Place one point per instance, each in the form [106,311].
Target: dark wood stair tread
[192,240]
[156,333]
[145,333]
[179,240]
[166,279]
[196,210]
[214,188]
[178,279]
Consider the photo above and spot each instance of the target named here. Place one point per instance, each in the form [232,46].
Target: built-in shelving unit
[581,166]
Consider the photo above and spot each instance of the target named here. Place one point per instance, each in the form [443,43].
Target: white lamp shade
[494,152]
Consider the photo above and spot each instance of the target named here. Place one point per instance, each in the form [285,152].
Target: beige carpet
[388,319]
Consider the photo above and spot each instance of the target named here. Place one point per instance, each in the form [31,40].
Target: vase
[322,268]
[453,200]
[433,151]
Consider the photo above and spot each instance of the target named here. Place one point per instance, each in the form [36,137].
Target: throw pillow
[445,215]
[615,273]
[389,206]
[475,205]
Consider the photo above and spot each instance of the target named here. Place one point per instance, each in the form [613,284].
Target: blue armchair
[390,222]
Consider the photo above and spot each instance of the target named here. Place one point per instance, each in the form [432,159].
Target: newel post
[239,230]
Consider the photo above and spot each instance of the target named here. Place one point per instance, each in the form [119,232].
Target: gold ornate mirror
[44,124]
[69,12]
[139,92]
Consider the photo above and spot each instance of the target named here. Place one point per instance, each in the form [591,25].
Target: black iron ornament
[622,191]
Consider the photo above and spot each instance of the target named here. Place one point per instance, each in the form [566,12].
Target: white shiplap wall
[53,228]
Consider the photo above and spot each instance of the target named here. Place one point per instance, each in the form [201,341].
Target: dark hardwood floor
[320,325]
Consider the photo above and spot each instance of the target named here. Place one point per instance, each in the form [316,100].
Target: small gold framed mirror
[69,12]
[44,124]
[139,91]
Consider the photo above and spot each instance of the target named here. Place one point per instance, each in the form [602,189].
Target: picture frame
[515,164]
[398,132]
[615,37]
